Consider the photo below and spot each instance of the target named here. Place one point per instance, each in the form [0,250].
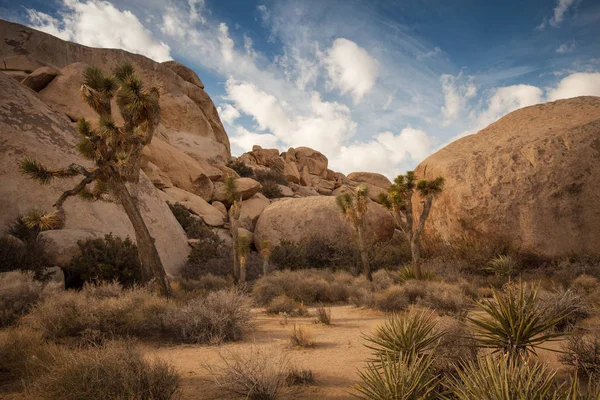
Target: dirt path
[334,360]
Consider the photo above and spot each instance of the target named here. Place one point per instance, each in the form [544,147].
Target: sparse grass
[254,374]
[301,336]
[19,292]
[323,315]
[112,372]
[297,376]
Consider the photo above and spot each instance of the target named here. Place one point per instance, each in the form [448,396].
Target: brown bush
[582,352]
[585,284]
[19,292]
[283,304]
[301,336]
[393,299]
[115,371]
[456,346]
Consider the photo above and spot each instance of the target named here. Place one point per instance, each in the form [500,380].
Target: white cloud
[243,140]
[560,10]
[98,23]
[351,69]
[578,84]
[566,48]
[507,99]
[196,8]
[226,43]
[432,53]
[456,95]
[228,113]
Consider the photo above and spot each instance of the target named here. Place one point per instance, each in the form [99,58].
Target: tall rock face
[532,179]
[29,127]
[189,118]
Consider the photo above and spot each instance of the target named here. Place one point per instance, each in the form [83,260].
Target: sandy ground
[334,360]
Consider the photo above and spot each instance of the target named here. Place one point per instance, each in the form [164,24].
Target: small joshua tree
[115,151]
[235,198]
[399,201]
[266,256]
[354,207]
[243,245]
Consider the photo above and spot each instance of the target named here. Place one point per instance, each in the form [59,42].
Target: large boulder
[247,187]
[302,218]
[531,179]
[40,78]
[370,177]
[190,120]
[28,127]
[61,244]
[251,210]
[291,173]
[314,161]
[211,215]
[184,72]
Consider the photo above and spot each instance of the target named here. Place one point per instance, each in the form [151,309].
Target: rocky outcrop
[529,179]
[211,215]
[247,187]
[40,78]
[61,244]
[190,120]
[314,161]
[303,218]
[251,210]
[28,127]
[371,178]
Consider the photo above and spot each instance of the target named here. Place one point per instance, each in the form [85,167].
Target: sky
[374,85]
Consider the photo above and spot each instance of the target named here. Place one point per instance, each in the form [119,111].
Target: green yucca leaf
[413,332]
[94,78]
[400,377]
[42,221]
[503,378]
[87,148]
[231,189]
[513,322]
[36,170]
[123,71]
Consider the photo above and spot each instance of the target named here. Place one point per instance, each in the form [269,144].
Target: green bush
[193,225]
[289,255]
[241,169]
[107,260]
[19,292]
[27,255]
[271,190]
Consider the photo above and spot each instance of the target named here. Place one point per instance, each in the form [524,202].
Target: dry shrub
[25,355]
[282,304]
[203,284]
[19,292]
[455,347]
[221,316]
[443,297]
[582,352]
[297,376]
[256,373]
[564,301]
[113,372]
[104,312]
[301,336]
[585,284]
[324,315]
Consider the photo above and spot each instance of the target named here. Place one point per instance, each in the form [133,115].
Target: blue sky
[375,85]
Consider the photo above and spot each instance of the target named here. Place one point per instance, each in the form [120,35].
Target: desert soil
[334,360]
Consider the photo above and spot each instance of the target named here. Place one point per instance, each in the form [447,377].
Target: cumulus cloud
[98,23]
[226,43]
[242,140]
[578,84]
[351,69]
[507,99]
[457,91]
[566,48]
[228,113]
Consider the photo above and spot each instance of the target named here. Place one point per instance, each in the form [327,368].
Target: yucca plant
[354,206]
[405,376]
[411,333]
[407,273]
[503,378]
[39,220]
[574,392]
[513,322]
[503,265]
[399,200]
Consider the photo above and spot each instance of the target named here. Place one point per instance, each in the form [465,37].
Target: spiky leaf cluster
[354,205]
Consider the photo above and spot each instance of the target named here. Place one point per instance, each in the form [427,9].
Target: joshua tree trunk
[416,236]
[416,258]
[243,270]
[234,248]
[152,267]
[363,254]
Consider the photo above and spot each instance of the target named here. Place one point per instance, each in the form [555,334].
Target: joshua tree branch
[90,177]
[424,215]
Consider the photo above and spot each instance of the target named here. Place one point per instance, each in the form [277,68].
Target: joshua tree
[399,201]
[235,198]
[243,245]
[354,208]
[266,255]
[115,151]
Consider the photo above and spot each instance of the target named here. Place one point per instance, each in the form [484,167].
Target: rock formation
[531,179]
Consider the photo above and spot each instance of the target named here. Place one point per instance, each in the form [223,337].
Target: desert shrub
[513,321]
[103,290]
[390,253]
[193,226]
[271,175]
[323,315]
[301,336]
[492,378]
[221,316]
[585,284]
[205,283]
[257,373]
[566,302]
[410,333]
[283,304]
[455,347]
[582,352]
[406,273]
[402,377]
[106,260]
[289,255]
[393,299]
[382,279]
[504,265]
[24,255]
[297,376]
[271,190]
[19,292]
[241,169]
[25,355]
[115,371]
